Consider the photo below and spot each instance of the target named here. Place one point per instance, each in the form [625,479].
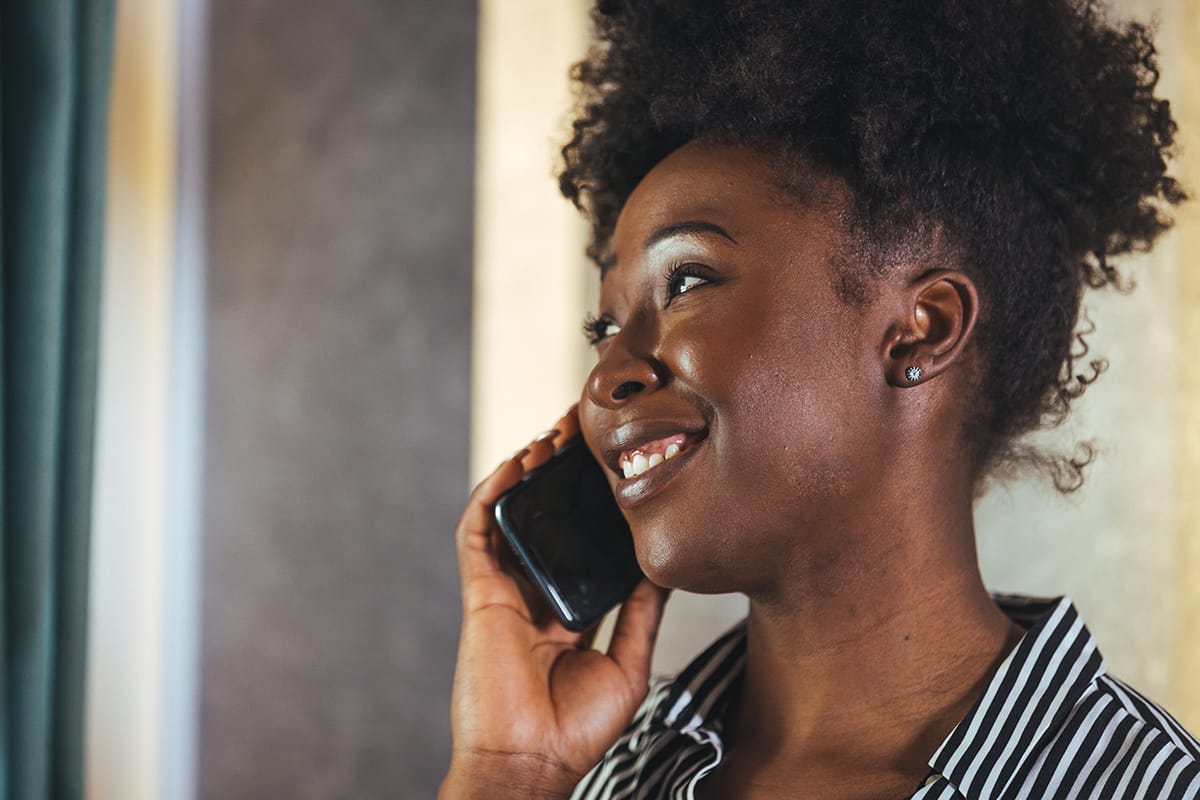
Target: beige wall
[140,708]
[531,281]
[126,733]
[1125,548]
[1184,25]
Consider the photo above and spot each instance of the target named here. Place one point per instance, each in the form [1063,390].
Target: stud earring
[913,373]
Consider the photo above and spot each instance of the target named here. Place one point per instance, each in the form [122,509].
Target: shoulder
[1161,758]
[1149,715]
[1053,723]
[1115,743]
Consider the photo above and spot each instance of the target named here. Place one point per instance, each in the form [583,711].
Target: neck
[863,668]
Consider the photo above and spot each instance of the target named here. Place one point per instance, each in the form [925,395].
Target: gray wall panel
[339,302]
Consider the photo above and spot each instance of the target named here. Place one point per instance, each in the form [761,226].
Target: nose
[622,373]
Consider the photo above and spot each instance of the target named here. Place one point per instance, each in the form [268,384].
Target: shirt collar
[1024,704]
[703,689]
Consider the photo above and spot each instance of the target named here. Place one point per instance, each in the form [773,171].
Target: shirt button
[932,779]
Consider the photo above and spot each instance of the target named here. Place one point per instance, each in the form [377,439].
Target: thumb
[636,630]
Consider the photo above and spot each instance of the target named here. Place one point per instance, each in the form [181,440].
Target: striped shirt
[1051,723]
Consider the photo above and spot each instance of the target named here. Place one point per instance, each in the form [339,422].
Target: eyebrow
[686,228]
[691,227]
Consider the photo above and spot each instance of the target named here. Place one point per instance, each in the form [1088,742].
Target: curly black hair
[1026,131]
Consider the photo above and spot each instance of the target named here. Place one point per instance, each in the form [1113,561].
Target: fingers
[636,630]
[473,536]
[567,425]
[531,595]
[546,443]
[540,450]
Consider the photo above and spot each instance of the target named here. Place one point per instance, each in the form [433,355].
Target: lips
[647,454]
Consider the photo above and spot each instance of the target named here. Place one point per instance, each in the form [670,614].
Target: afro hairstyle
[1027,132]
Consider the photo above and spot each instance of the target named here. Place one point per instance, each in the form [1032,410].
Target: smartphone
[570,536]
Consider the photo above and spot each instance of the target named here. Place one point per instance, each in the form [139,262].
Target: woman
[842,250]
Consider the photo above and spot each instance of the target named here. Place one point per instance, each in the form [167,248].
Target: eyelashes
[679,279]
[680,275]
[598,328]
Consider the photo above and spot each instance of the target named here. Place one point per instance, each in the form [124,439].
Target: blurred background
[340,286]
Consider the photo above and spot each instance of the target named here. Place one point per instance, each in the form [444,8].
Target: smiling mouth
[648,470]
[647,456]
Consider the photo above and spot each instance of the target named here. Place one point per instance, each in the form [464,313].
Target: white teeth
[639,462]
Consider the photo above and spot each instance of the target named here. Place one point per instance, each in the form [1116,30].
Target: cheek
[784,393]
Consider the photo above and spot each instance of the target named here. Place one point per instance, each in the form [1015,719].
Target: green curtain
[54,74]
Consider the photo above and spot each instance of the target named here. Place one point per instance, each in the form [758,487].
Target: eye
[684,278]
[597,329]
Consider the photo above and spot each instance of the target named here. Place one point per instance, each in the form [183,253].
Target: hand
[534,706]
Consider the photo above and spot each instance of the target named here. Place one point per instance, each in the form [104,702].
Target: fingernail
[544,435]
[524,451]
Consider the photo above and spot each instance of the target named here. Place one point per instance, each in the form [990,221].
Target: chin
[678,562]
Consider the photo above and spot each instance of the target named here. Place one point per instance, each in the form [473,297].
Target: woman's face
[730,363]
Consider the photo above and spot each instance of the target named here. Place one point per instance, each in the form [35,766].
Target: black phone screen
[570,535]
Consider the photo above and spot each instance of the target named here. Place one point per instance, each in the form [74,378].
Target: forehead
[745,190]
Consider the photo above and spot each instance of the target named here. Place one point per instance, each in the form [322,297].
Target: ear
[939,310]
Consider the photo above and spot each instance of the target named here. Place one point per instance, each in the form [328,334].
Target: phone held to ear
[565,527]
